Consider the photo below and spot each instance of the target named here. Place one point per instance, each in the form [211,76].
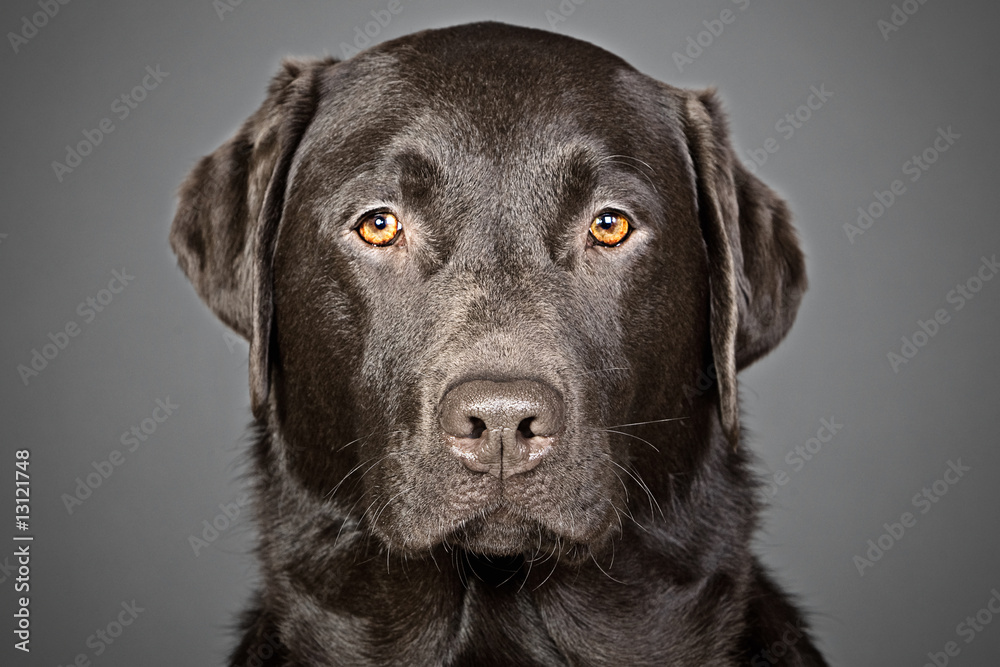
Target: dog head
[480,269]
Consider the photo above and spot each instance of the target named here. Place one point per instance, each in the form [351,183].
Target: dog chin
[505,532]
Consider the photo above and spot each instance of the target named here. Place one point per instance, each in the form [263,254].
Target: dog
[482,270]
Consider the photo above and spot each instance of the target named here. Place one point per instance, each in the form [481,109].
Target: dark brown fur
[629,543]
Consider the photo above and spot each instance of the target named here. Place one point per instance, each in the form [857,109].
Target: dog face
[480,270]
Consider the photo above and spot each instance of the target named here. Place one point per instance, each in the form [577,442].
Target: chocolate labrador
[482,271]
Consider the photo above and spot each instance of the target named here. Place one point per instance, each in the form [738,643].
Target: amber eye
[379,228]
[609,228]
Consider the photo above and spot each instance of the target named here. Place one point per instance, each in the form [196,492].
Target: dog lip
[498,451]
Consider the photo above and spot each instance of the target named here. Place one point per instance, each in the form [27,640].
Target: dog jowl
[477,268]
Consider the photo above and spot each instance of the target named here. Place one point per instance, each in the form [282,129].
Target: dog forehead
[505,103]
[491,81]
[497,52]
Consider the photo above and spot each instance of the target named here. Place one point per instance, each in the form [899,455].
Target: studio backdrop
[124,408]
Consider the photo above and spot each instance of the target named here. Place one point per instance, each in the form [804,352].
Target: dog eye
[610,229]
[379,229]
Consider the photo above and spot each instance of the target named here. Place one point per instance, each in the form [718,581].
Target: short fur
[629,543]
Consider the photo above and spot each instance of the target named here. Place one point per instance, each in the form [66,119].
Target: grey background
[130,539]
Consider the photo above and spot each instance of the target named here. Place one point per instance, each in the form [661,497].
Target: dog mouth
[505,530]
[424,496]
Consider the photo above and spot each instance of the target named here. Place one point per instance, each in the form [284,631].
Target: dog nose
[502,428]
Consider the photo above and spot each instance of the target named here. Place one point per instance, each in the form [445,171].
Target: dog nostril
[478,427]
[503,428]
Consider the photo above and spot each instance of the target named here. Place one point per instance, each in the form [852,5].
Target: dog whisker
[606,574]
[556,547]
[654,421]
[630,435]
[625,510]
[355,469]
[383,508]
[347,520]
[343,447]
[531,561]
[434,560]
[513,574]
[605,370]
[368,436]
[612,563]
[370,505]
[624,486]
[638,480]
[618,515]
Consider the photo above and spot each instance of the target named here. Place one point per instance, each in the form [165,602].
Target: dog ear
[756,269]
[230,207]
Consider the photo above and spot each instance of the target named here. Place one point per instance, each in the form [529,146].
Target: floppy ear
[230,208]
[756,269]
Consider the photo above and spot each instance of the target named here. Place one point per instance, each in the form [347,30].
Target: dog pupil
[380,222]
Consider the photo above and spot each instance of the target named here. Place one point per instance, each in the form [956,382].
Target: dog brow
[419,177]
